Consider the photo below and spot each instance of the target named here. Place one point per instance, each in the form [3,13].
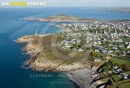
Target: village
[107,42]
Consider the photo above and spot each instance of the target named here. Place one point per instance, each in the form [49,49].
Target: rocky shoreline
[83,77]
[81,74]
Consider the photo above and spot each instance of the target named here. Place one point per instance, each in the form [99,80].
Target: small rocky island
[92,54]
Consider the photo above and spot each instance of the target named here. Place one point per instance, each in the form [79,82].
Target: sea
[12,26]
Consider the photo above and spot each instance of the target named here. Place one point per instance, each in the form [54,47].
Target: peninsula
[125,9]
[92,54]
[61,18]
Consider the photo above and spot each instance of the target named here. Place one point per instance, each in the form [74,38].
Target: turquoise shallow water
[11,57]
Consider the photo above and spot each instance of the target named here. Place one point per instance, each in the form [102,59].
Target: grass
[116,77]
[123,82]
[127,85]
[53,52]
[124,39]
[118,43]
[121,61]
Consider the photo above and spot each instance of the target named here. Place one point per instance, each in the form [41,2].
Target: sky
[87,3]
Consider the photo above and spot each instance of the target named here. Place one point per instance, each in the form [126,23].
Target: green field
[121,61]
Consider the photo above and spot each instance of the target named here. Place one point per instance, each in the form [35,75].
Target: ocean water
[11,57]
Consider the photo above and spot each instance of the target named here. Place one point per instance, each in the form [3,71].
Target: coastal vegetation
[102,47]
